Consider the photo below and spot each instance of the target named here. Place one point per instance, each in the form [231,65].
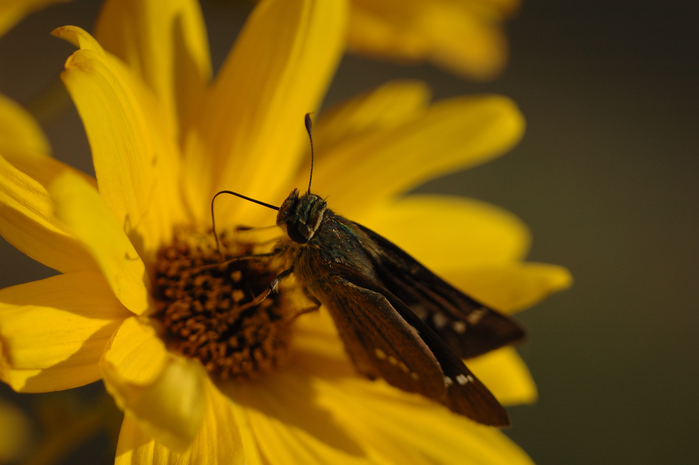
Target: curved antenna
[213,218]
[309,129]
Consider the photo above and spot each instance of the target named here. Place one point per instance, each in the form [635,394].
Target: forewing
[468,327]
[380,342]
[466,395]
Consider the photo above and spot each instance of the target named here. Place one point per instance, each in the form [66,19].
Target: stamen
[206,305]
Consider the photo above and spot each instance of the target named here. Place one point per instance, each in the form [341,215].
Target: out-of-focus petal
[251,124]
[133,142]
[218,440]
[165,43]
[53,331]
[15,432]
[27,221]
[386,107]
[82,210]
[506,375]
[510,287]
[18,129]
[464,37]
[166,398]
[446,232]
[452,134]
[12,11]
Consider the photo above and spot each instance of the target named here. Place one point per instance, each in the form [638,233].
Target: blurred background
[606,178]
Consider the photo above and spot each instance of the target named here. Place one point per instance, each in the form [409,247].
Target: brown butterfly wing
[379,342]
[468,327]
[406,353]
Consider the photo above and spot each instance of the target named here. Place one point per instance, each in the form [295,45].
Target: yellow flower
[164,140]
[462,36]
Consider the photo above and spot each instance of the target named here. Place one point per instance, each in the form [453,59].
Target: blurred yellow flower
[15,432]
[462,36]
[164,140]
[12,11]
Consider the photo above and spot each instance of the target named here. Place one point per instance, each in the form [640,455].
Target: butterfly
[397,320]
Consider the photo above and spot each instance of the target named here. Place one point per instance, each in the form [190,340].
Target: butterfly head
[301,216]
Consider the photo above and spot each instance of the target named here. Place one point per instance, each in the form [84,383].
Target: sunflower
[461,36]
[143,290]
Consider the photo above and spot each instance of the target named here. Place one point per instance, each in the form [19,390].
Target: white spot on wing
[440,320]
[464,379]
[459,327]
[380,354]
[475,316]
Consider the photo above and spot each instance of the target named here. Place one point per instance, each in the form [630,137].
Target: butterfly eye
[298,232]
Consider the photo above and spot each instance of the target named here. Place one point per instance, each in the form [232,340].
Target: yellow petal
[12,11]
[85,214]
[506,375]
[165,43]
[406,428]
[19,130]
[136,354]
[453,134]
[464,37]
[172,405]
[53,331]
[289,425]
[28,222]
[217,442]
[387,106]
[450,232]
[133,142]
[251,124]
[510,287]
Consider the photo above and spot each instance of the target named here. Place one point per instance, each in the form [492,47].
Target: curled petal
[134,146]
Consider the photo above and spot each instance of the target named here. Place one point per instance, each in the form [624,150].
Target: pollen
[213,307]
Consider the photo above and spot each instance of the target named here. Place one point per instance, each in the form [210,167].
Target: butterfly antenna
[309,129]
[213,218]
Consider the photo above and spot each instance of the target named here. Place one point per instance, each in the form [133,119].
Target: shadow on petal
[289,396]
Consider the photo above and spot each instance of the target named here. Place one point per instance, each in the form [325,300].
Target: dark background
[605,177]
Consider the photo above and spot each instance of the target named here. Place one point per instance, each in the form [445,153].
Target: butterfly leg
[271,288]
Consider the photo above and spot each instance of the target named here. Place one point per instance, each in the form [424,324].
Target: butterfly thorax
[319,239]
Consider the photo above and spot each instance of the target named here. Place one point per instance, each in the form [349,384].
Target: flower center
[209,305]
